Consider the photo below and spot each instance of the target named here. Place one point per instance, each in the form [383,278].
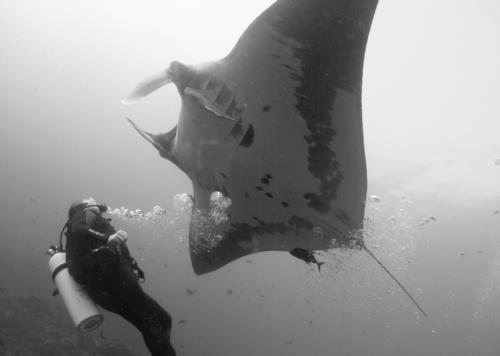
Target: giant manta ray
[276,127]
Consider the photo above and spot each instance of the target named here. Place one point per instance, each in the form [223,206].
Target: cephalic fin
[148,136]
[148,85]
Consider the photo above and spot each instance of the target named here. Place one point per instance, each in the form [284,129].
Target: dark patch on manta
[284,203]
[265,180]
[259,188]
[322,71]
[266,108]
[317,202]
[269,195]
[244,231]
[300,223]
[248,138]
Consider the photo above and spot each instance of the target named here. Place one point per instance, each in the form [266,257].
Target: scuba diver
[98,259]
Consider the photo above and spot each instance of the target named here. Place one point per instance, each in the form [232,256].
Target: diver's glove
[117,238]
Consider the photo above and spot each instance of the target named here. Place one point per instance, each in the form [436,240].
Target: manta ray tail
[149,85]
[395,279]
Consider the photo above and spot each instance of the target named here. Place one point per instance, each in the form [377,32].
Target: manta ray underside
[276,127]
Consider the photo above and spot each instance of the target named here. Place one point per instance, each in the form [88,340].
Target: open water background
[432,135]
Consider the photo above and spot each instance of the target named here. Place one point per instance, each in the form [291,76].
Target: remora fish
[306,256]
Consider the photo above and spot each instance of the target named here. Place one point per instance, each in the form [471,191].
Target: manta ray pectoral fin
[149,85]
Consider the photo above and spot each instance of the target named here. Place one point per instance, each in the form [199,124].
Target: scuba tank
[82,310]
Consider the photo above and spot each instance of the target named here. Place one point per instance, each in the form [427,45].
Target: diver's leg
[98,275]
[154,323]
[143,312]
[105,301]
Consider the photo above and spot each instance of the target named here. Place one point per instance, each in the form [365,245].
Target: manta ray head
[209,124]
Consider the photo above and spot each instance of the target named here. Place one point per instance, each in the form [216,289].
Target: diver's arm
[99,235]
[82,226]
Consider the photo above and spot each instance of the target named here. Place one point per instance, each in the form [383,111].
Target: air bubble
[183,202]
[218,207]
[375,198]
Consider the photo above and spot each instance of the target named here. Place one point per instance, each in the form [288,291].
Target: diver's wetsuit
[110,280]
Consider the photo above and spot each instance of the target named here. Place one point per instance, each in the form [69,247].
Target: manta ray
[276,127]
